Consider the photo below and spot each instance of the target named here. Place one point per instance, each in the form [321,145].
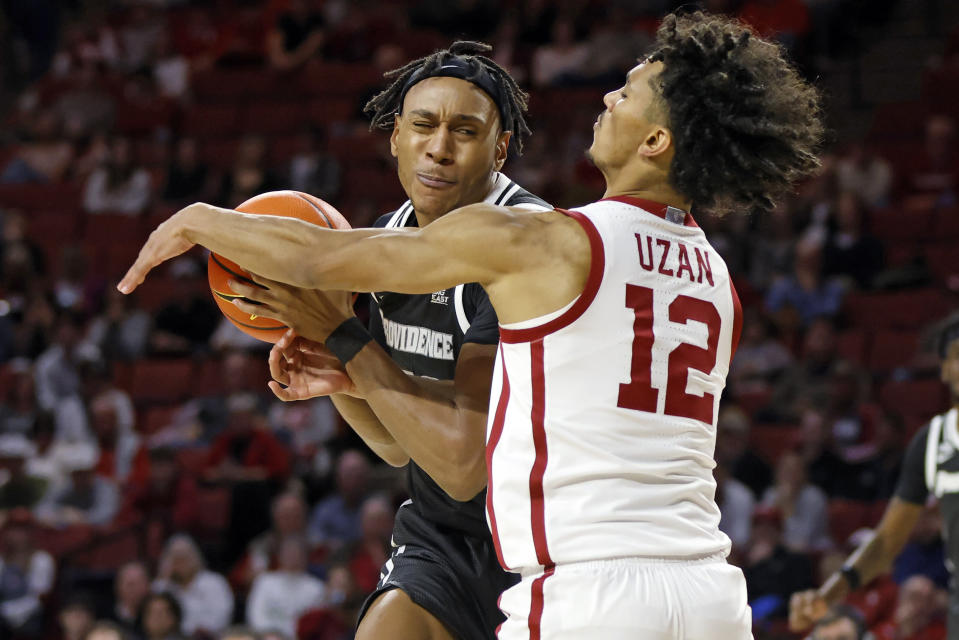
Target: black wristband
[348,339]
[851,574]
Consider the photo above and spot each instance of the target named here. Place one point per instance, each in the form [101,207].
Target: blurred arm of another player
[439,425]
[871,559]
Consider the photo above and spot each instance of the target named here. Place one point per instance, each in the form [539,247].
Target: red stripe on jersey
[494,436]
[597,263]
[536,607]
[538,415]
[656,208]
[737,320]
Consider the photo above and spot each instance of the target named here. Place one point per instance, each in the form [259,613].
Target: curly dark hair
[745,125]
[386,104]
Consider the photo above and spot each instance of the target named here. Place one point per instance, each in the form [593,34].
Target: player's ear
[502,149]
[396,130]
[657,141]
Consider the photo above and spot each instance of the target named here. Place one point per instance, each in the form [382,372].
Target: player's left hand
[311,314]
[167,241]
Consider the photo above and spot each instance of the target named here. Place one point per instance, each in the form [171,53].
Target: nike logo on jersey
[440,297]
[418,340]
[673,258]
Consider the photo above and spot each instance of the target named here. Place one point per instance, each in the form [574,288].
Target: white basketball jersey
[602,420]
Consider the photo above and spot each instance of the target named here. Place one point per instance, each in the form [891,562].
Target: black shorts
[454,576]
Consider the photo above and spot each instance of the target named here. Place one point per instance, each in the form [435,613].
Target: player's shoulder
[508,193]
[395,219]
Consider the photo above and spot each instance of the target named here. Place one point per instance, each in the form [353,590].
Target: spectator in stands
[20,489]
[13,233]
[734,453]
[106,630]
[313,169]
[161,617]
[924,554]
[239,633]
[373,548]
[336,620]
[246,451]
[760,357]
[187,176]
[824,468]
[850,251]
[75,287]
[18,402]
[288,519]
[249,460]
[44,157]
[803,506]
[139,37]
[121,330]
[47,459]
[204,596]
[561,62]
[85,499]
[841,623]
[77,617]
[296,37]
[249,175]
[86,107]
[166,497]
[614,45]
[306,427]
[805,383]
[853,420]
[26,576]
[131,586]
[772,247]
[772,571]
[122,457]
[278,598]
[920,612]
[934,175]
[866,175]
[118,185]
[335,520]
[736,503]
[171,70]
[73,412]
[805,290]
[184,324]
[56,370]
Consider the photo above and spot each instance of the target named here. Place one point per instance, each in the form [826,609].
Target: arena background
[117,414]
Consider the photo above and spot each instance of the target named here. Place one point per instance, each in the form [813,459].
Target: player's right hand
[806,608]
[304,369]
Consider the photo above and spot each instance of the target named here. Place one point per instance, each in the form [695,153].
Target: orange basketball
[291,204]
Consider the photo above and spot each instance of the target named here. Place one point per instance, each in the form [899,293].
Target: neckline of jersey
[656,208]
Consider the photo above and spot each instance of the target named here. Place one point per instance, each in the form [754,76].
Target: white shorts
[630,599]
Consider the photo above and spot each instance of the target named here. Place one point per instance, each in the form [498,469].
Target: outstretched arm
[476,243]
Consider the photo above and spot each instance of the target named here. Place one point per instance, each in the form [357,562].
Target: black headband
[948,334]
[469,70]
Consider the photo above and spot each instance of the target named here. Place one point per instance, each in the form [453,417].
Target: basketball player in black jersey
[453,116]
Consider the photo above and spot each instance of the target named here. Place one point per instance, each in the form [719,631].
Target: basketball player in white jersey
[618,323]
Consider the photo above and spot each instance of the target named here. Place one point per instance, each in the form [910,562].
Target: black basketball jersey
[931,466]
[424,333]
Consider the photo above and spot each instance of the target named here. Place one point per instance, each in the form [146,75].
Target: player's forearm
[366,425]
[445,440]
[282,249]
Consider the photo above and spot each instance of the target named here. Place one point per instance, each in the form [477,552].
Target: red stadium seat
[227,84]
[852,345]
[326,110]
[771,441]
[192,461]
[220,153]
[947,223]
[907,309]
[923,398]
[160,380]
[213,509]
[895,227]
[338,79]
[847,516]
[110,549]
[943,259]
[205,121]
[51,197]
[896,120]
[892,348]
[273,117]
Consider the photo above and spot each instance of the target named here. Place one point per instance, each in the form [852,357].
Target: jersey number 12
[639,393]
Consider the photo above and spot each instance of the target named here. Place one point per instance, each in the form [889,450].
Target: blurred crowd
[152,487]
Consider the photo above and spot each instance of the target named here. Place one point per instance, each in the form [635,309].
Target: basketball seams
[326,218]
